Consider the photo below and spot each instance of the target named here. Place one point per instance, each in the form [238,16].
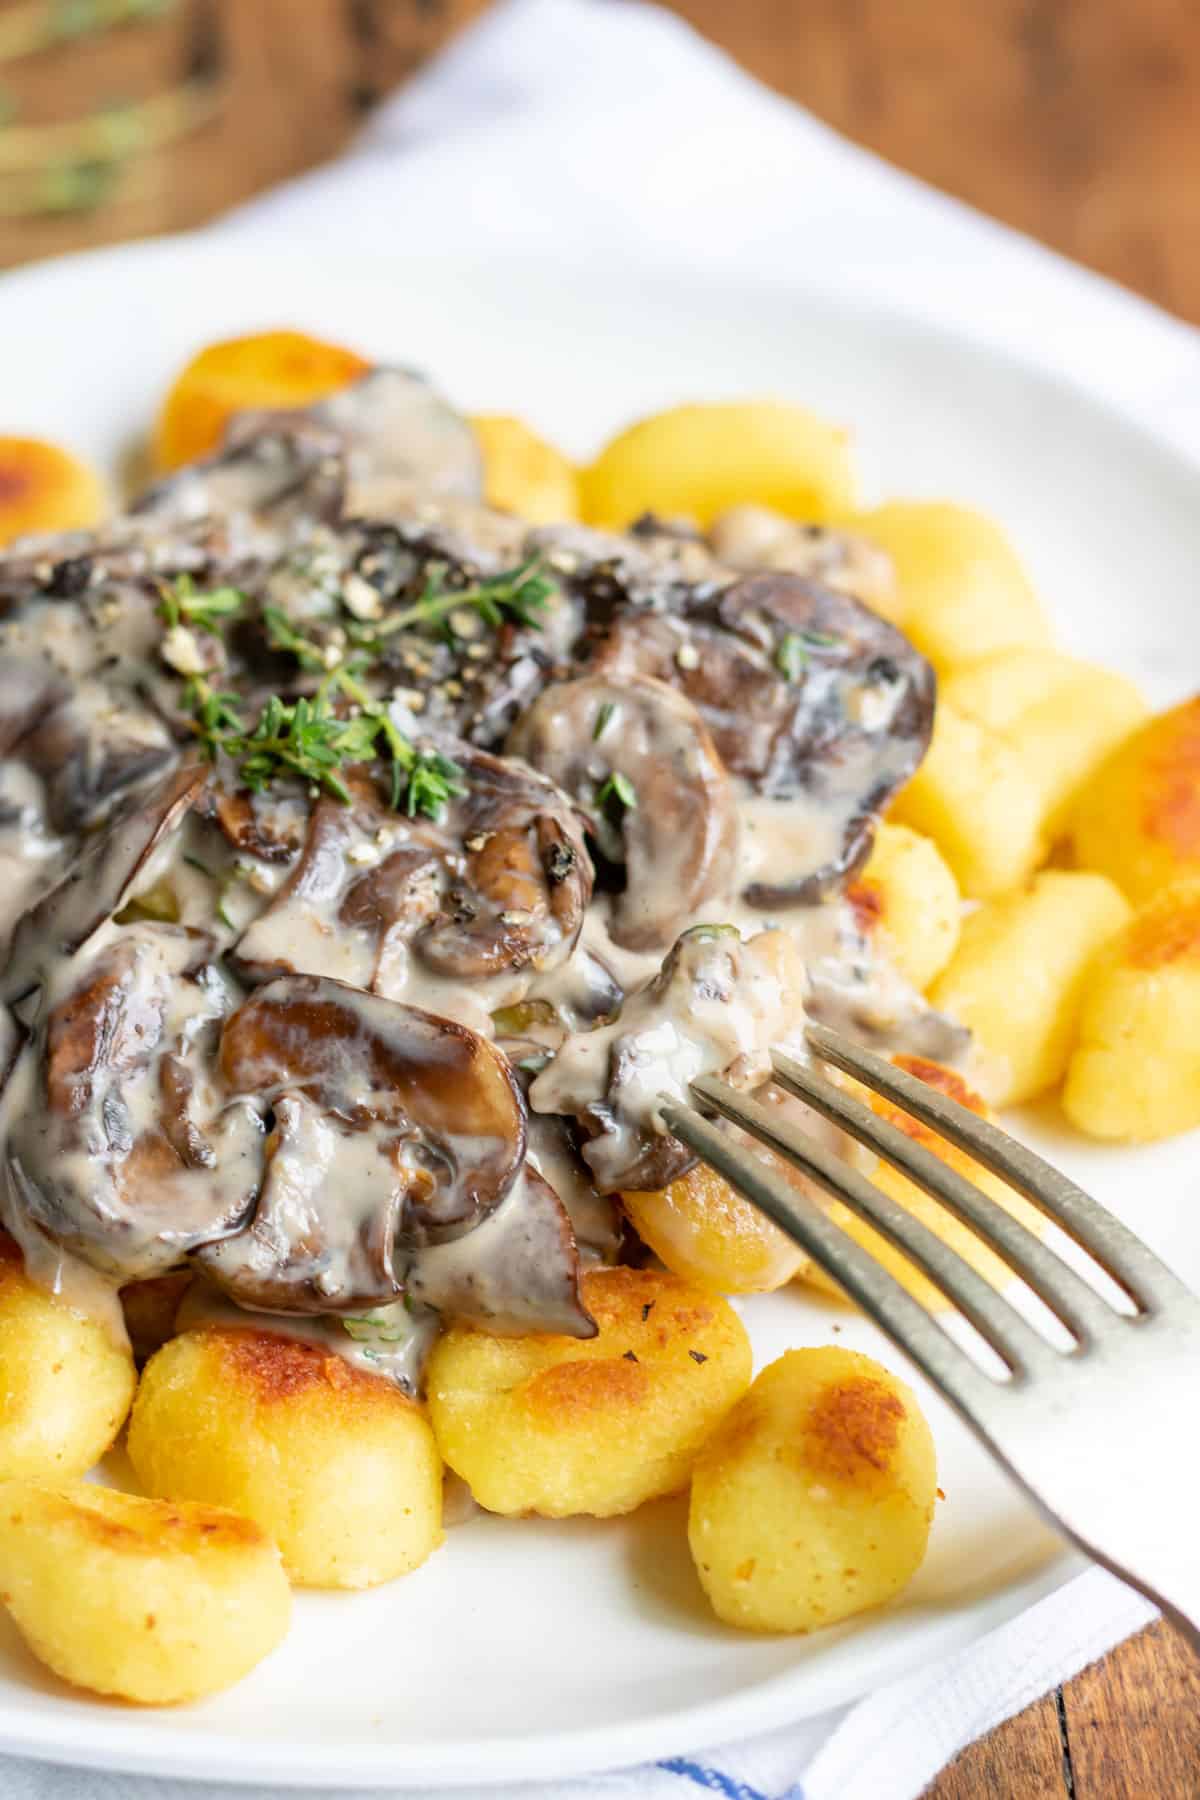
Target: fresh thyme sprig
[618,789]
[522,594]
[282,635]
[182,603]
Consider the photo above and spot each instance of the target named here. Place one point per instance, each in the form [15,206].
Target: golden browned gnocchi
[337,1465]
[150,1600]
[522,473]
[814,1499]
[916,1201]
[559,1425]
[697,461]
[1134,1073]
[907,898]
[66,1379]
[44,488]
[1018,976]
[1015,736]
[963,590]
[1138,818]
[704,1230]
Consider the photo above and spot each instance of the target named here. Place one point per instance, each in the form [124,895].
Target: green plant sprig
[182,603]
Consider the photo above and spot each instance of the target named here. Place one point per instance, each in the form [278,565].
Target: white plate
[527,1649]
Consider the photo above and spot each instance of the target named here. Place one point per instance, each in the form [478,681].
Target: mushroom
[638,758]
[397,428]
[270,461]
[93,748]
[811,700]
[716,1006]
[496,887]
[393,1129]
[757,537]
[100,881]
[518,1272]
[117,1143]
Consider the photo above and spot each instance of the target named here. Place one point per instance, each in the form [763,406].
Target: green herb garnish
[181,603]
[603,719]
[791,658]
[282,635]
[618,787]
[522,593]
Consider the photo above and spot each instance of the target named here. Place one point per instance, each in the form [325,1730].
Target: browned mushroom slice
[99,883]
[270,826]
[521,878]
[812,700]
[398,428]
[117,1144]
[28,689]
[498,884]
[636,755]
[94,748]
[519,1272]
[715,1007]
[270,461]
[393,1129]
[757,537]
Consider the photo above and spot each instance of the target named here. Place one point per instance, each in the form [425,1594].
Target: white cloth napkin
[601,129]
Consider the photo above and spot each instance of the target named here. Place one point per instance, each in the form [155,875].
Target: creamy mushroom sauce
[358,1069]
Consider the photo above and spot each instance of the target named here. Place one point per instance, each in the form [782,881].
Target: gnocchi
[814,1499]
[697,461]
[963,591]
[704,1230]
[1014,738]
[915,1200]
[1138,819]
[906,897]
[1019,973]
[1134,1072]
[522,473]
[149,1600]
[268,370]
[337,1465]
[558,1425]
[66,1379]
[44,488]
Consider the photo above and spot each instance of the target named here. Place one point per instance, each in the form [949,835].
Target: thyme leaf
[620,789]
[181,603]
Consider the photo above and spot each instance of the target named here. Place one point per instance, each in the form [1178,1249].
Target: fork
[1101,1436]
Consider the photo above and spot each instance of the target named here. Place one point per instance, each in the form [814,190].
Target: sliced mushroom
[270,826]
[269,462]
[717,1006]
[756,537]
[29,688]
[91,750]
[393,1129]
[519,1272]
[398,428]
[812,700]
[100,882]
[117,1143]
[637,757]
[497,886]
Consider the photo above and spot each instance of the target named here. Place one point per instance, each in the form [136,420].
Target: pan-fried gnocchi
[703,1230]
[915,1200]
[65,1377]
[1018,976]
[907,899]
[150,1600]
[1138,818]
[337,1465]
[522,473]
[813,1500]
[695,462]
[1134,1072]
[1016,735]
[44,488]
[964,593]
[559,1425]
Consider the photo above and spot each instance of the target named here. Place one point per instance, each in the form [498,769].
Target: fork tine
[913,1330]
[1011,1336]
[1079,1307]
[1135,1268]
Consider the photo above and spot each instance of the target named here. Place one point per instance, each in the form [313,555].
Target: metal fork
[1103,1437]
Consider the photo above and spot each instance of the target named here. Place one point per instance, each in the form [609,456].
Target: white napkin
[598,129]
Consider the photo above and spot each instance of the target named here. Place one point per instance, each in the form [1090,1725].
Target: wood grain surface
[1075,120]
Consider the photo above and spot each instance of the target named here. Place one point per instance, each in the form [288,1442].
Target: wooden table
[1072,119]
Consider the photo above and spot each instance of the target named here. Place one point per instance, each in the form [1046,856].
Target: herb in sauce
[180,603]
[282,635]
[603,719]
[618,788]
[521,594]
[791,658]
